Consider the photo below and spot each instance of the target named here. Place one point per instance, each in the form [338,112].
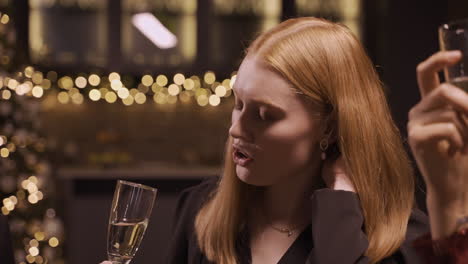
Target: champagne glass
[454,36]
[129,215]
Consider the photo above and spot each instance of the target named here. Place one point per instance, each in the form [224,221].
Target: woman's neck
[287,203]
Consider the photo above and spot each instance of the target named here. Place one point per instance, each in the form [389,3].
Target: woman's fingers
[427,71]
[445,95]
[421,136]
[445,115]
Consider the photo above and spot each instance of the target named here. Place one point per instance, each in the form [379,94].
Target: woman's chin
[246,176]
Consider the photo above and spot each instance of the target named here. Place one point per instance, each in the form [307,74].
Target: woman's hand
[334,175]
[438,136]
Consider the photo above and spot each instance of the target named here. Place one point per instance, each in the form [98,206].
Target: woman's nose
[240,127]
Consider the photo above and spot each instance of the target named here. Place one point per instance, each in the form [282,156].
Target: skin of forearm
[444,215]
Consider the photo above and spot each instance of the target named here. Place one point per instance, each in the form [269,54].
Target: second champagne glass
[454,36]
[129,216]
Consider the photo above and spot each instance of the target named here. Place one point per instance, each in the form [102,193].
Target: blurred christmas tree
[27,188]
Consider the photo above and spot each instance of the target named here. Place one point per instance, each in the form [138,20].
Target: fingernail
[454,54]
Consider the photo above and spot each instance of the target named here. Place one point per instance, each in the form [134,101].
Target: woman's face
[275,132]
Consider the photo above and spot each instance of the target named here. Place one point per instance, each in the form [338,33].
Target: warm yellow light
[4,152]
[39,260]
[209,77]
[37,77]
[226,83]
[147,80]
[94,95]
[116,85]
[53,242]
[5,19]
[197,83]
[202,100]
[111,97]
[173,89]
[46,84]
[128,101]
[142,88]
[189,84]
[25,183]
[11,147]
[184,97]
[161,80]
[80,82]
[34,243]
[30,259]
[39,236]
[63,97]
[5,211]
[103,92]
[14,199]
[140,98]
[133,92]
[156,88]
[31,187]
[34,251]
[201,91]
[233,80]
[40,195]
[114,76]
[37,91]
[22,89]
[77,98]
[12,84]
[220,91]
[172,99]
[32,198]
[123,93]
[214,100]
[65,83]
[28,71]
[73,91]
[33,179]
[94,80]
[160,98]
[6,94]
[2,140]
[9,204]
[179,79]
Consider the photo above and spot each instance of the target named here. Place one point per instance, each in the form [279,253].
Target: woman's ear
[333,151]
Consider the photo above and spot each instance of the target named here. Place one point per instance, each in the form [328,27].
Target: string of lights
[111,88]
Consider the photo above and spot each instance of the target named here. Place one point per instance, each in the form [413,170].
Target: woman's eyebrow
[263,102]
[267,103]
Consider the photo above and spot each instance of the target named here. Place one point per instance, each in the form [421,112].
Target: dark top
[334,236]
[6,251]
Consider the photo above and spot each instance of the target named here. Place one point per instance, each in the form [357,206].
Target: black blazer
[334,236]
[6,250]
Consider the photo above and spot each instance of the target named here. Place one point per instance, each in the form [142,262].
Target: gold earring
[324,147]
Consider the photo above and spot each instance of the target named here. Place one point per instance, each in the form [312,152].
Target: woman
[305,93]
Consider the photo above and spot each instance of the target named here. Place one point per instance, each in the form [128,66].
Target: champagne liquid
[461,82]
[124,240]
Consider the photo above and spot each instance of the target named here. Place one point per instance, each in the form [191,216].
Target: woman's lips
[240,158]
